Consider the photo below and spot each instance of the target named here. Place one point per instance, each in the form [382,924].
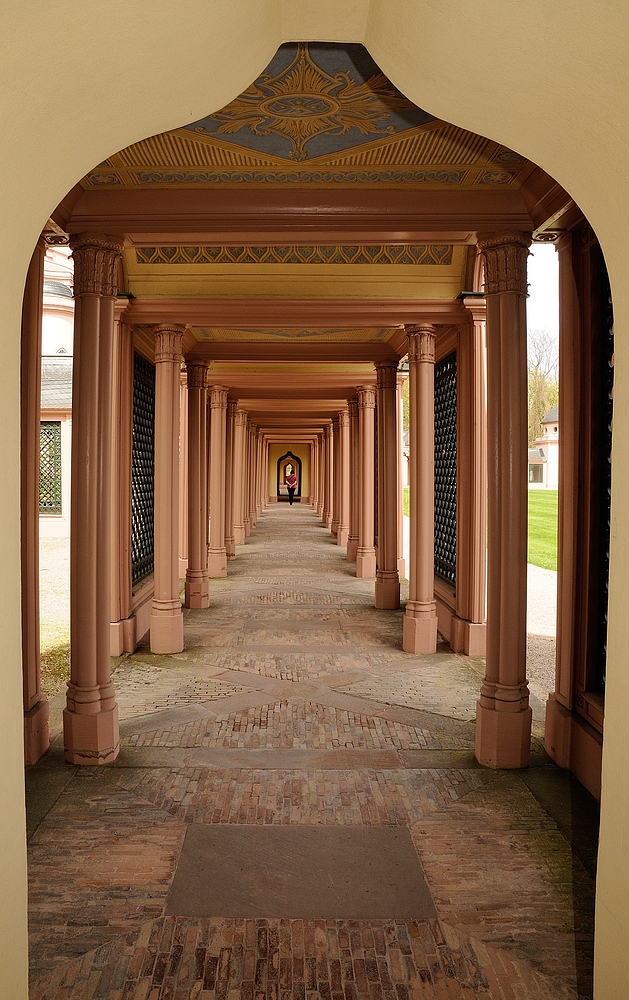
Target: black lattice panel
[50,467]
[142,468]
[445,469]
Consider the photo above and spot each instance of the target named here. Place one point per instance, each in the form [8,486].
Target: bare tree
[543,379]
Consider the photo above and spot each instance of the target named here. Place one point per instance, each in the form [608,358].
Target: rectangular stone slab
[362,873]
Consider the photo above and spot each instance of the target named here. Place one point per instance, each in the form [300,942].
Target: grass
[406,500]
[543,528]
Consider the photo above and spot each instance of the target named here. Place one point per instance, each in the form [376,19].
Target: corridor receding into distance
[292,707]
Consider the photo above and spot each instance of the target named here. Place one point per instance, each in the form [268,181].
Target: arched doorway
[287,464]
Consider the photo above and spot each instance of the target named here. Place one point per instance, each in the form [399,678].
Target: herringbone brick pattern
[293,670]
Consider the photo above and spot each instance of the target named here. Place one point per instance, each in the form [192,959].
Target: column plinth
[420,618]
[166,620]
[365,551]
[387,589]
[503,717]
[90,719]
[197,593]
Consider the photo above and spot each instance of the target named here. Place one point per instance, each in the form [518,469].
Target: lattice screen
[445,469]
[142,468]
[50,467]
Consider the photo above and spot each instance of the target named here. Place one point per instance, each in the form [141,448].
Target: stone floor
[293,707]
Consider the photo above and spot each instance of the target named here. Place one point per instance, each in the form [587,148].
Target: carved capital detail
[96,263]
[421,344]
[328,431]
[232,406]
[352,409]
[218,397]
[343,418]
[241,418]
[386,375]
[196,374]
[168,342]
[366,397]
[504,256]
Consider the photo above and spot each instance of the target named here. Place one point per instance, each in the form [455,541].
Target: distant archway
[286,464]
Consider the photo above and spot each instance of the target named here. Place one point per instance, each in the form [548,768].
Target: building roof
[56,382]
[536,455]
[57,288]
[552,416]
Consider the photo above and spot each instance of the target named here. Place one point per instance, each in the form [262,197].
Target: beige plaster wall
[548,79]
[302,451]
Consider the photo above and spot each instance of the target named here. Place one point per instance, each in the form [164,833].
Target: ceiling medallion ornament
[304,102]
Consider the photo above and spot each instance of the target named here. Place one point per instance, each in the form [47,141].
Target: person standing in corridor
[291,485]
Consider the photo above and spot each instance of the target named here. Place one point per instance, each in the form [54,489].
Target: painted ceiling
[320,115]
[321,336]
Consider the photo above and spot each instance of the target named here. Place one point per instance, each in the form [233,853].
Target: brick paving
[295,672]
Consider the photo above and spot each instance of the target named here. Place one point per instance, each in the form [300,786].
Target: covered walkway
[186,869]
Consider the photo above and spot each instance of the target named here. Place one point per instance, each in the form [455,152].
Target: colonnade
[355,489]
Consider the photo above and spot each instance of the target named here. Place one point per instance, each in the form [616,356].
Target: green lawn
[543,528]
[406,500]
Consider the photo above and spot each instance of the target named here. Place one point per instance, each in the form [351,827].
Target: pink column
[90,719]
[230,544]
[122,622]
[259,501]
[366,553]
[217,556]
[354,491]
[240,431]
[183,477]
[343,528]
[420,619]
[468,624]
[166,622]
[321,448]
[36,707]
[401,567]
[387,590]
[503,717]
[197,594]
[247,473]
[336,476]
[328,478]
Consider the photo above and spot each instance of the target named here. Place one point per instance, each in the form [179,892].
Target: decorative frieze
[96,263]
[398,253]
[504,256]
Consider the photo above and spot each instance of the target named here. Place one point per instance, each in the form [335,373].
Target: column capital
[327,431]
[421,343]
[386,374]
[96,263]
[366,397]
[241,417]
[352,408]
[232,408]
[196,374]
[168,342]
[504,256]
[218,396]
[343,418]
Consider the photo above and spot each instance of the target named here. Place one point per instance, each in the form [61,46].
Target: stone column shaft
[217,555]
[354,493]
[420,619]
[366,553]
[230,544]
[343,528]
[166,622]
[240,427]
[90,720]
[197,587]
[328,480]
[336,476]
[401,567]
[387,590]
[503,720]
[36,709]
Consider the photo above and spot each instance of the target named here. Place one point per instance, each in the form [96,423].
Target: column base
[419,634]
[197,593]
[401,568]
[503,739]
[36,738]
[91,739]
[216,563]
[247,529]
[352,549]
[239,534]
[230,548]
[387,593]
[342,536]
[166,632]
[183,566]
[574,744]
[365,564]
[328,521]
[468,637]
